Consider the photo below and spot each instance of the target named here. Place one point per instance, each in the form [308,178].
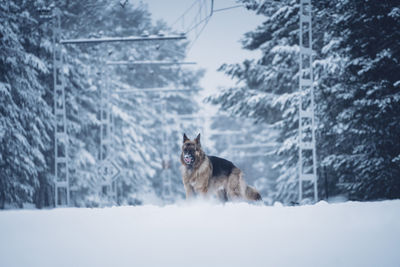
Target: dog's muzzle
[188,159]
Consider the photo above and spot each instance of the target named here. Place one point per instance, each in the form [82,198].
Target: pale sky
[219,42]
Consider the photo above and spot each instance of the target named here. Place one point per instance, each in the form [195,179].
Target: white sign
[109,170]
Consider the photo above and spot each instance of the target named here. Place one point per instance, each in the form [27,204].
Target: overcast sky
[219,42]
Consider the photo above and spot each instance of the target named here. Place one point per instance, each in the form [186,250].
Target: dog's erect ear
[197,140]
[185,138]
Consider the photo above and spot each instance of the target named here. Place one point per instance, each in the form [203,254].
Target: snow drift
[203,234]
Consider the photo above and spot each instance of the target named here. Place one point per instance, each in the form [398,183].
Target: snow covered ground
[202,234]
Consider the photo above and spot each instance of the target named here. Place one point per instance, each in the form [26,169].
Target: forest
[356,68]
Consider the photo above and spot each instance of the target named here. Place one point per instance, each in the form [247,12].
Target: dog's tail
[252,194]
[248,192]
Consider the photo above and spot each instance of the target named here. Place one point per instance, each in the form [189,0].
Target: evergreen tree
[356,45]
[358,78]
[26,119]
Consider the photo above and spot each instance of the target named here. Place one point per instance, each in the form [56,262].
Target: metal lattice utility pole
[61,147]
[166,155]
[107,168]
[307,149]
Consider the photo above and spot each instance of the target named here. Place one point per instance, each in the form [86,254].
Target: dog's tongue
[187,160]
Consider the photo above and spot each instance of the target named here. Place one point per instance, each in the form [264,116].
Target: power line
[184,13]
[197,24]
[227,8]
[198,35]
[194,25]
[206,20]
[211,13]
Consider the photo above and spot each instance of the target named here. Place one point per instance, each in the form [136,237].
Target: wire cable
[204,21]
[197,24]
[198,35]
[227,8]
[184,13]
[194,22]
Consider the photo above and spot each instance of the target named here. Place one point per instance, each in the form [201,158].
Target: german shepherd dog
[212,176]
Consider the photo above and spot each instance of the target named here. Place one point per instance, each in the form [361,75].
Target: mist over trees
[357,92]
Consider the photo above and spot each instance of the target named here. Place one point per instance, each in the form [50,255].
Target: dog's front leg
[202,188]
[189,191]
[203,191]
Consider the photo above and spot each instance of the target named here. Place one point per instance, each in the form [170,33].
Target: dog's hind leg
[238,189]
[221,194]
[234,191]
[252,194]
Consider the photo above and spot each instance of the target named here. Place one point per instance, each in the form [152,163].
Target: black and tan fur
[212,176]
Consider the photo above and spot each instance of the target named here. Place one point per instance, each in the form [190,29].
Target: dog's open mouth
[188,159]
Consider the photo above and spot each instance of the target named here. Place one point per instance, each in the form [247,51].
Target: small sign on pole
[108,170]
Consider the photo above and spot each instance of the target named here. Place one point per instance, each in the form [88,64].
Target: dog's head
[191,151]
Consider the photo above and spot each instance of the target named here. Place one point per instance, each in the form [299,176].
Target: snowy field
[200,234]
